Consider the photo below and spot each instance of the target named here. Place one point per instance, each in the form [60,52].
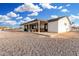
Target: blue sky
[13,14]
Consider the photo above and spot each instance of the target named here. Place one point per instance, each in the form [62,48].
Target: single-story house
[59,25]
[35,26]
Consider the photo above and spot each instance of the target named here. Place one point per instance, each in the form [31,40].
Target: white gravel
[29,44]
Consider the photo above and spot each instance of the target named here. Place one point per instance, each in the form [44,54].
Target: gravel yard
[29,44]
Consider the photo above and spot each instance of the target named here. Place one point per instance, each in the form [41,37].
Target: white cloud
[22,21]
[60,7]
[54,16]
[12,14]
[68,5]
[28,7]
[48,6]
[27,19]
[19,17]
[6,20]
[64,10]
[4,17]
[10,22]
[74,17]
[33,14]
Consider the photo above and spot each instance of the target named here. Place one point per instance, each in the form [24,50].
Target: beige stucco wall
[53,26]
[63,25]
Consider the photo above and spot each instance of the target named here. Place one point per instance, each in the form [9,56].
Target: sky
[14,14]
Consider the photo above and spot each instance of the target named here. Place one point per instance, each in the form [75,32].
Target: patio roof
[51,20]
[35,20]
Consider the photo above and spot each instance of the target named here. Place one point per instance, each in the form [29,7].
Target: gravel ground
[29,44]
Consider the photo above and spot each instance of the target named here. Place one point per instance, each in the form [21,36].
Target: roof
[34,21]
[56,19]
[51,20]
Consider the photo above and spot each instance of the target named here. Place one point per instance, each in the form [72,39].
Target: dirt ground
[29,44]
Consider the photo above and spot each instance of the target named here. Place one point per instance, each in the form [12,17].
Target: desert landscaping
[31,44]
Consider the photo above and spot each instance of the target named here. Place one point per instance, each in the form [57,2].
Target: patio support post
[28,27]
[38,26]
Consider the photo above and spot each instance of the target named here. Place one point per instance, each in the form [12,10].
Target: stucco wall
[63,25]
[53,26]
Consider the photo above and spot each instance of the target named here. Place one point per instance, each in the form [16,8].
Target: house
[3,28]
[59,25]
[35,26]
[75,28]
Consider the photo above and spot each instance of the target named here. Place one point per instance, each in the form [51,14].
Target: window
[34,26]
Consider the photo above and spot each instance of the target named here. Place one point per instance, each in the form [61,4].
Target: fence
[75,29]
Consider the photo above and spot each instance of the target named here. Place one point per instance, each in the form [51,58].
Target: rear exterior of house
[59,25]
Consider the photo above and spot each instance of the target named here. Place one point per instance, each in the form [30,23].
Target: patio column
[38,26]
[28,27]
[25,27]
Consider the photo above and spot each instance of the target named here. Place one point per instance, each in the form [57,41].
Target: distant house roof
[56,19]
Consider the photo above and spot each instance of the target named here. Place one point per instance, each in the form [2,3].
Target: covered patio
[36,26]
